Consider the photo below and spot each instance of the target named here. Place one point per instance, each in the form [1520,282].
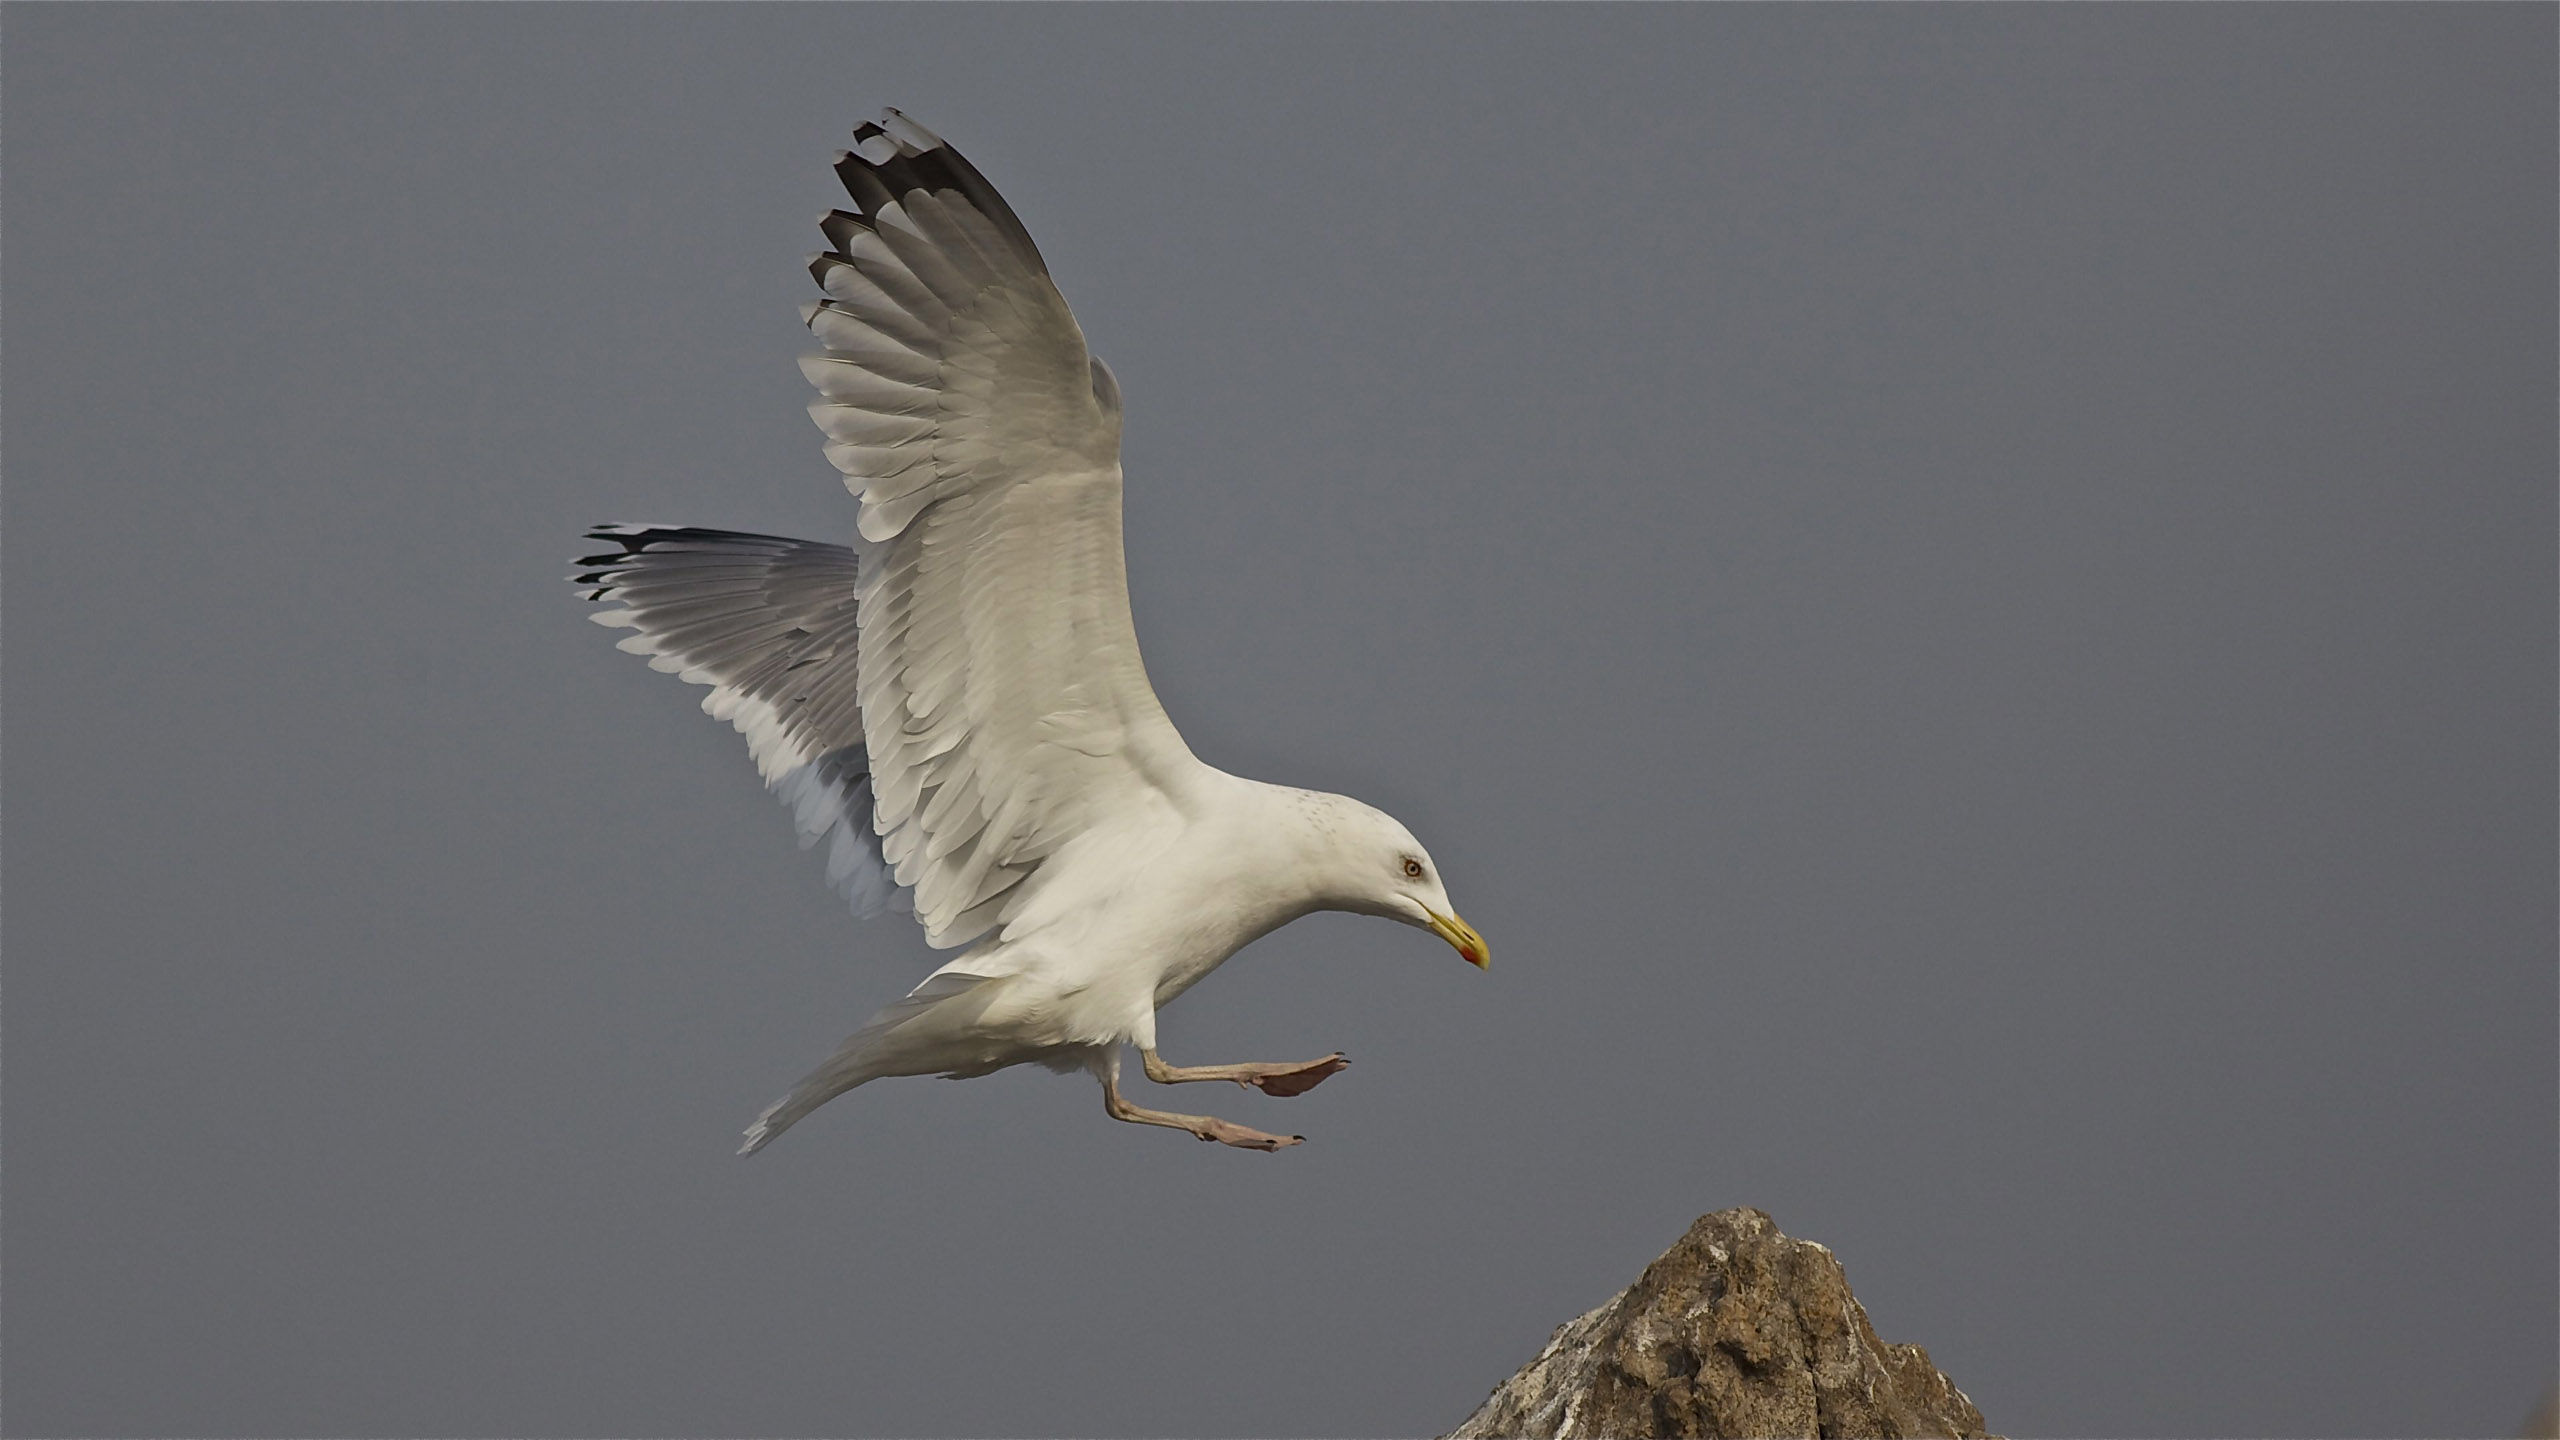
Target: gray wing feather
[768,623]
[1004,702]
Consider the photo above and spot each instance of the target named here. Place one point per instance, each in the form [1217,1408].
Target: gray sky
[1965,595]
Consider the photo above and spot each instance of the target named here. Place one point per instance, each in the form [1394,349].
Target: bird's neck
[1291,851]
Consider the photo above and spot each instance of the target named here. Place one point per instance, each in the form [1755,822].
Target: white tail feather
[926,1033]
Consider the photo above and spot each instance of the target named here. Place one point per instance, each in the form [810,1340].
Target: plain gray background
[1965,595]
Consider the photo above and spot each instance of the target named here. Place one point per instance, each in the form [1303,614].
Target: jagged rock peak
[1736,1331]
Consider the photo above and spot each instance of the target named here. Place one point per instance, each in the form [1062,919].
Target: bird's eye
[1412,868]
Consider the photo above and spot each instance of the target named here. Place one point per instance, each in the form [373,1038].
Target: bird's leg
[1207,1127]
[1269,1079]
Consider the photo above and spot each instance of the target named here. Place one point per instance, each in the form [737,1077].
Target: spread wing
[1004,708]
[768,624]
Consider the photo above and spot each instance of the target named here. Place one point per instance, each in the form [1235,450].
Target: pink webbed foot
[1244,1137]
[1300,1080]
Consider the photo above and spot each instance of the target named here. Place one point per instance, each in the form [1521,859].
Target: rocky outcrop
[1737,1330]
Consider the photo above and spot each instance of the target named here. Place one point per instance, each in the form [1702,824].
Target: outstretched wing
[768,624]
[1004,707]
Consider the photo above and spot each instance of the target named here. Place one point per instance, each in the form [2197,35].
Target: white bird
[955,704]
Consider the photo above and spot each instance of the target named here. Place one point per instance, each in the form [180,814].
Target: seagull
[954,705]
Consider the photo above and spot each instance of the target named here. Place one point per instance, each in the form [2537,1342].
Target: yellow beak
[1461,934]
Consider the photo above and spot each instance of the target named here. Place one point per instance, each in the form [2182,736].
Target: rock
[1737,1330]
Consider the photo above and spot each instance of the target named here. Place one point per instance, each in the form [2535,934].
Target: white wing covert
[1003,702]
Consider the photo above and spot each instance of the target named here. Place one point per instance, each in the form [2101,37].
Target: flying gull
[954,705]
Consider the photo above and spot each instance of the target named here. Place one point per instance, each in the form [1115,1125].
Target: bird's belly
[1187,954]
[1184,973]
[1112,965]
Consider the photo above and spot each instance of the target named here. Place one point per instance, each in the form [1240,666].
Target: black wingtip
[918,159]
[840,227]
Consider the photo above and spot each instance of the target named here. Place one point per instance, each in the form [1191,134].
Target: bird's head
[1382,870]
